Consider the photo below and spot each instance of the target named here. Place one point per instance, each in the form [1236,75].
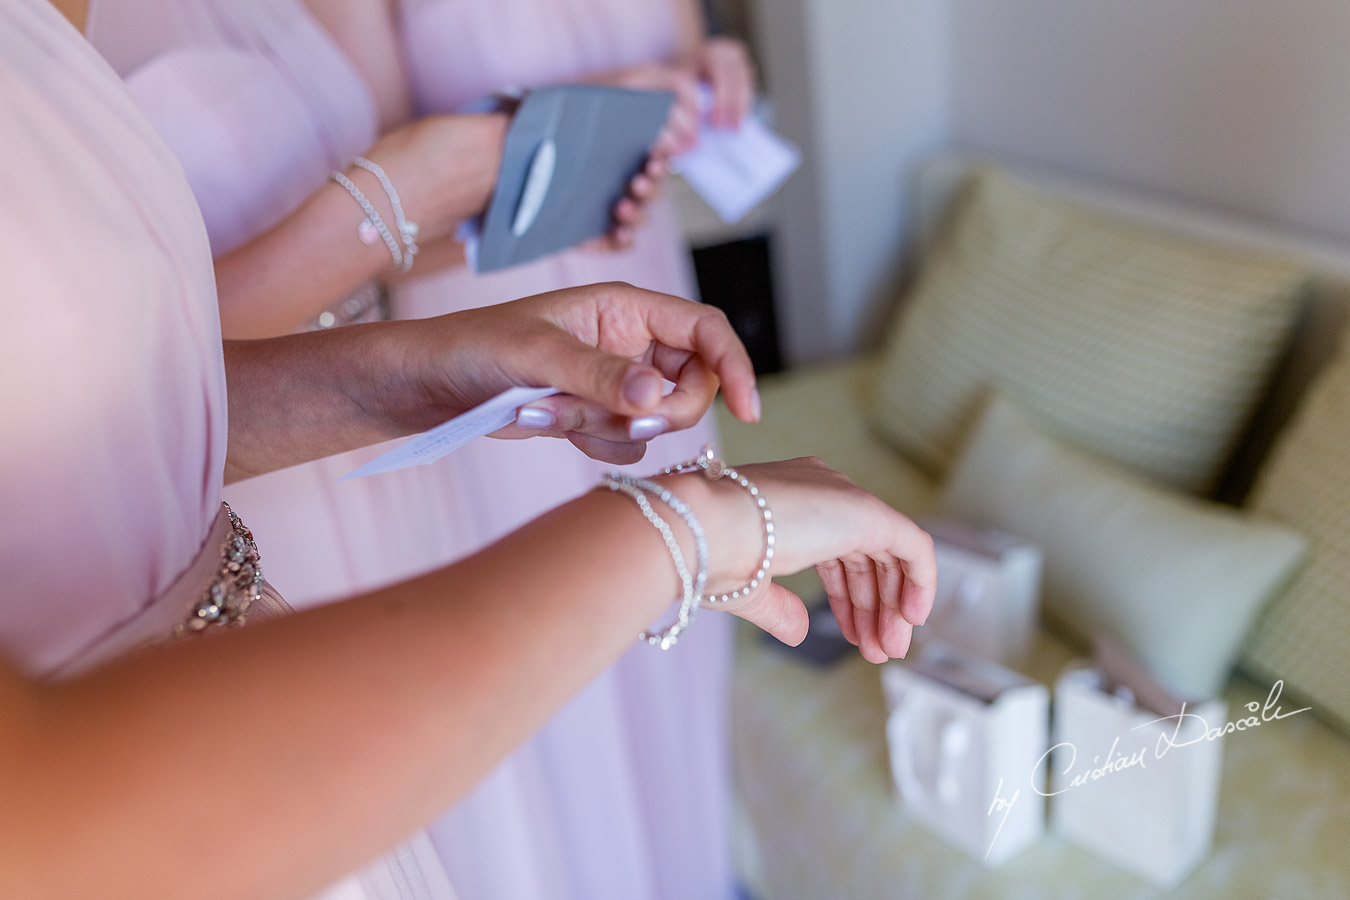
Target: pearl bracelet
[692,586]
[713,469]
[407,230]
[373,218]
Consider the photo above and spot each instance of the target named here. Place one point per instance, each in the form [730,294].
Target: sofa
[819,811]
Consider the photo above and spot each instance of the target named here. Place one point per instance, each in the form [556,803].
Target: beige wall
[1243,104]
[1240,104]
[861,86]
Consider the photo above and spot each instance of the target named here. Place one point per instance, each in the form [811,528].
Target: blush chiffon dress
[625,793]
[114,535]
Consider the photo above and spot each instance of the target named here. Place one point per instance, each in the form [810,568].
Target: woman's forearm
[443,167]
[282,279]
[268,761]
[691,28]
[302,397]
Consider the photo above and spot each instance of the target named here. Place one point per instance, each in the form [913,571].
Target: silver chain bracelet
[372,217]
[713,469]
[407,230]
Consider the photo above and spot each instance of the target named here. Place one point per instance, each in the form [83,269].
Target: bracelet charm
[714,469]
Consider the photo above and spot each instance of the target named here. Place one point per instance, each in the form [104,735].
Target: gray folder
[569,155]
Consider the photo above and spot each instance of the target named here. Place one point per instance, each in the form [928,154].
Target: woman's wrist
[463,171]
[731,521]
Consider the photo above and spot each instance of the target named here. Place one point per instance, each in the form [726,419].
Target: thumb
[780,612]
[619,384]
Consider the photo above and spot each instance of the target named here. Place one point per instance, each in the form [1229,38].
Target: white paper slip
[734,171]
[445,439]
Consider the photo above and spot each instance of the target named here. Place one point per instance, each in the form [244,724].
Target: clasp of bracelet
[713,468]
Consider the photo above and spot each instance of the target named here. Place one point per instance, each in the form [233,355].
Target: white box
[965,736]
[988,591]
[1136,787]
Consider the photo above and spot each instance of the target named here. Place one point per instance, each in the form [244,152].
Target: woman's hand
[631,210]
[724,65]
[608,347]
[876,564]
[679,134]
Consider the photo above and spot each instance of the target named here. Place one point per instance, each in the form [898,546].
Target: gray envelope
[569,155]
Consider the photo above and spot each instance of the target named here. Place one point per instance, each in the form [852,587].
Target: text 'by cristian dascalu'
[1112,762]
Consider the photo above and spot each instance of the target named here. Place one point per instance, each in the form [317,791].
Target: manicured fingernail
[646,428]
[756,406]
[533,417]
[641,388]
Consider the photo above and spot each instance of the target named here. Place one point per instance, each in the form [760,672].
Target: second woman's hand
[607,347]
[445,168]
[876,564]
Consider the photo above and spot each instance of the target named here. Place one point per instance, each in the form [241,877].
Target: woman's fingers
[727,67]
[633,322]
[681,325]
[894,629]
[778,611]
[860,580]
[836,590]
[602,434]
[684,115]
[619,453]
[879,631]
[584,342]
[695,388]
[893,633]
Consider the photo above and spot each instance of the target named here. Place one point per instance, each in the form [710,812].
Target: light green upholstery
[810,749]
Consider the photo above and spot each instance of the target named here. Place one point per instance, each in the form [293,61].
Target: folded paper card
[568,158]
[485,418]
[736,170]
[445,439]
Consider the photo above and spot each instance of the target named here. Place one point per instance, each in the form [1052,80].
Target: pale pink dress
[624,794]
[114,411]
[260,105]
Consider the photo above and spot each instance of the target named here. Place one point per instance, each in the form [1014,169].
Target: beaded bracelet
[373,217]
[692,586]
[713,469]
[407,230]
[667,496]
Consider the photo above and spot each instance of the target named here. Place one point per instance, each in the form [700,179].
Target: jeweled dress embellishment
[235,587]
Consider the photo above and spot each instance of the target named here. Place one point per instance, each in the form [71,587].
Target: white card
[734,171]
[445,439]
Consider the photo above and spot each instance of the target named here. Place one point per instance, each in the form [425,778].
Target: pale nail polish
[646,428]
[533,417]
[756,407]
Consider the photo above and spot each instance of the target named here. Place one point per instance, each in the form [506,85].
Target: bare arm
[270,760]
[443,166]
[367,31]
[691,28]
